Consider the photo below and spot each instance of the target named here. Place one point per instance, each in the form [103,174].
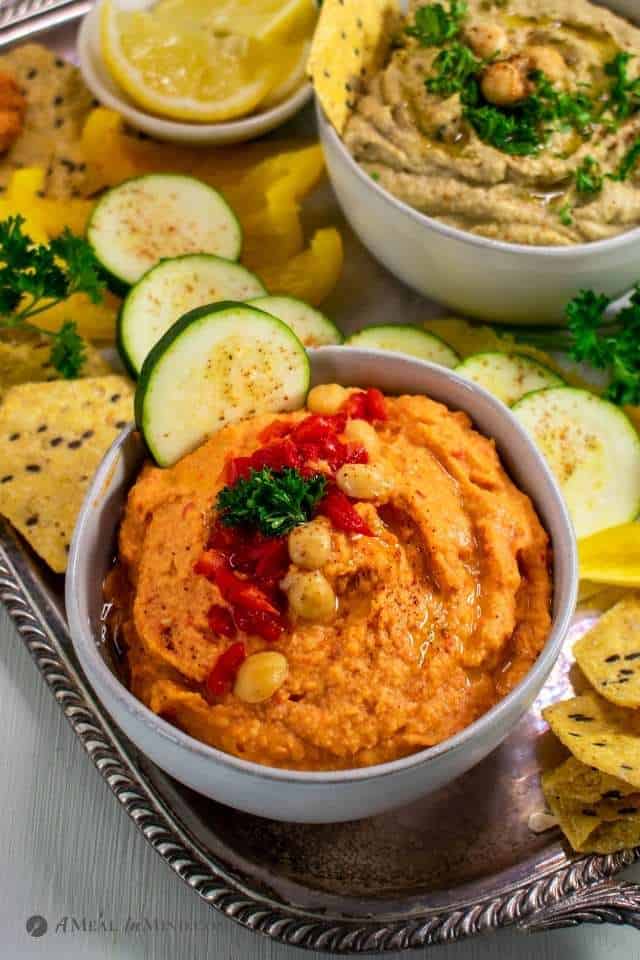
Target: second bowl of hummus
[334,663]
[495,165]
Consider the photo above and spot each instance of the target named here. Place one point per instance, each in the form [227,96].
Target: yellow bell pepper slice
[312,274]
[612,556]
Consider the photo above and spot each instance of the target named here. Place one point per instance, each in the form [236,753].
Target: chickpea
[506,83]
[260,676]
[310,595]
[363,434]
[362,481]
[310,545]
[549,61]
[487,39]
[327,398]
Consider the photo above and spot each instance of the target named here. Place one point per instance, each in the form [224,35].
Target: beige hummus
[439,612]
[419,147]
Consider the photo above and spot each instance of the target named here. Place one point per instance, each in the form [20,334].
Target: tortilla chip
[591,807]
[609,654]
[52,438]
[350,43]
[28,362]
[58,103]
[576,781]
[599,734]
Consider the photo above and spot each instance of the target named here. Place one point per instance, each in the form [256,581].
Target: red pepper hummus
[414,597]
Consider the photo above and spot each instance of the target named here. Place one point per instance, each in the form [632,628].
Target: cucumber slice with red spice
[508,376]
[145,219]
[171,289]
[408,339]
[308,324]
[217,364]
[593,450]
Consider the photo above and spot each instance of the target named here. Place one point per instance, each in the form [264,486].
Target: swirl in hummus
[402,610]
[522,125]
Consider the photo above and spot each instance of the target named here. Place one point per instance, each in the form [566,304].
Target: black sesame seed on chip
[14,436]
[33,468]
[588,812]
[114,397]
[56,441]
[625,766]
[121,424]
[87,434]
[626,673]
[74,444]
[59,62]
[580,717]
[625,811]
[32,521]
[32,73]
[612,659]
[58,101]
[42,428]
[632,656]
[598,743]
[612,795]
[8,477]
[58,123]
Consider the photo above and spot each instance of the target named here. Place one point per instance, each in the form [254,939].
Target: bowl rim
[86,647]
[245,127]
[329,134]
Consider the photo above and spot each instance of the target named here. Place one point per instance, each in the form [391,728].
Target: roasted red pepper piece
[342,514]
[366,405]
[275,431]
[224,670]
[317,428]
[221,621]
[264,625]
[236,591]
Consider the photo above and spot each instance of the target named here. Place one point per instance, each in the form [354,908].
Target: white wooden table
[67,850]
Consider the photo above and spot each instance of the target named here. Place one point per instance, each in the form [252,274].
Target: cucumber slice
[592,448]
[146,219]
[308,324]
[508,376]
[171,289]
[215,365]
[404,338]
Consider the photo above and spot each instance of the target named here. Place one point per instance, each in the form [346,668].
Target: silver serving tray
[460,862]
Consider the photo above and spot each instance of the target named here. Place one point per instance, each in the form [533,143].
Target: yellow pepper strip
[612,556]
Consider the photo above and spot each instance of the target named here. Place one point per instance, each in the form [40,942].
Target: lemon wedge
[170,63]
[269,20]
[612,556]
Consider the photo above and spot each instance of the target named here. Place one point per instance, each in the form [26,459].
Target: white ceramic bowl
[488,279]
[97,78]
[346,794]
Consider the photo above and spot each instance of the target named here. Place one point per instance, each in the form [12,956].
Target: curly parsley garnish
[455,66]
[589,177]
[623,99]
[628,163]
[433,25]
[35,277]
[610,345]
[272,502]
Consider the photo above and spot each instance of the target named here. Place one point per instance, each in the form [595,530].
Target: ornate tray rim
[578,892]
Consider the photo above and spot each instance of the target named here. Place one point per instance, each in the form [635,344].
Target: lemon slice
[169,63]
[293,63]
[264,19]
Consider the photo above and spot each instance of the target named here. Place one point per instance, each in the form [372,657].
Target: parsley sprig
[272,502]
[623,98]
[592,338]
[589,177]
[433,25]
[35,277]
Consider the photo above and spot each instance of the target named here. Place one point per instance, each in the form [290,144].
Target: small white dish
[97,78]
